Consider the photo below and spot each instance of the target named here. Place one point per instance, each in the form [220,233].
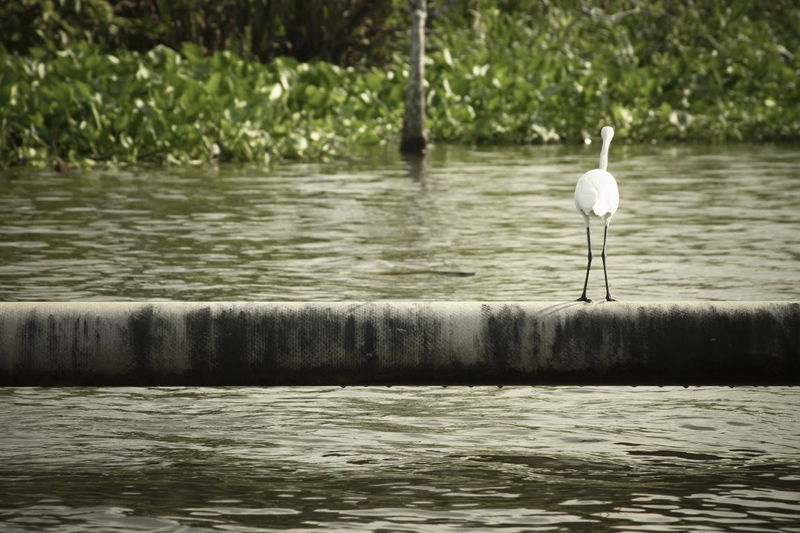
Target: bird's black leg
[583,297]
[605,272]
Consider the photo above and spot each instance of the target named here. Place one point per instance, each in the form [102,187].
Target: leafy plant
[83,106]
[517,71]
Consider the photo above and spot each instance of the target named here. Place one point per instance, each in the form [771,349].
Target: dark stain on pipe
[26,344]
[419,343]
[230,346]
[507,333]
[142,340]
[199,334]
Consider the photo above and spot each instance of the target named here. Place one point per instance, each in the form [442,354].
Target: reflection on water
[695,223]
[400,459]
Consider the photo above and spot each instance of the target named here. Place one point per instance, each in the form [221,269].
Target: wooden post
[415,137]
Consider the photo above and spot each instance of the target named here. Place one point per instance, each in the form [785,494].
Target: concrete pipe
[394,343]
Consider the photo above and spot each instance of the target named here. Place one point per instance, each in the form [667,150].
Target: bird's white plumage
[597,196]
[596,193]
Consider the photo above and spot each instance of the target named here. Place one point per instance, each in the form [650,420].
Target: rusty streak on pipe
[397,343]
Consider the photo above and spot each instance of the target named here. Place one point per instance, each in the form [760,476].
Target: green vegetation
[669,71]
[82,106]
[86,82]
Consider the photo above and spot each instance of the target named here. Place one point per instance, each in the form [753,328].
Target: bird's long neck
[604,154]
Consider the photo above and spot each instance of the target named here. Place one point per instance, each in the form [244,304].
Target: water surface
[400,459]
[695,223]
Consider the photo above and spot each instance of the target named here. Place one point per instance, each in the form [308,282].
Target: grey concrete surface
[396,343]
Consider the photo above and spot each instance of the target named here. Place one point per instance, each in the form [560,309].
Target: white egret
[597,197]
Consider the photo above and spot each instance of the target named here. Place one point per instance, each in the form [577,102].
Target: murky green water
[695,223]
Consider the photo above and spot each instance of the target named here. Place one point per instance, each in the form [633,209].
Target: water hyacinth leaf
[221,61]
[192,93]
[374,80]
[337,96]
[83,88]
[317,98]
[276,92]
[369,138]
[193,52]
[142,73]
[96,115]
[214,85]
[448,58]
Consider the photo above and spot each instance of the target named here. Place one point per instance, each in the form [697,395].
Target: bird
[597,197]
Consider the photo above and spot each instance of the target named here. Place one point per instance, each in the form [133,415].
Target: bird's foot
[610,299]
[583,298]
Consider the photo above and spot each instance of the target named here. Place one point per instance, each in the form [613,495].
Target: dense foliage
[513,72]
[346,32]
[659,70]
[82,106]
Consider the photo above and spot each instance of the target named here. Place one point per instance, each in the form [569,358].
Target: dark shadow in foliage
[344,32]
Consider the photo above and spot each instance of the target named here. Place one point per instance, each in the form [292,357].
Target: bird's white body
[596,193]
[597,196]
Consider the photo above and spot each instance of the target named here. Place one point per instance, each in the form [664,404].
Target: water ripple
[695,223]
[402,459]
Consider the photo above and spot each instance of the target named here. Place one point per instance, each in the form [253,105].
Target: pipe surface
[397,343]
